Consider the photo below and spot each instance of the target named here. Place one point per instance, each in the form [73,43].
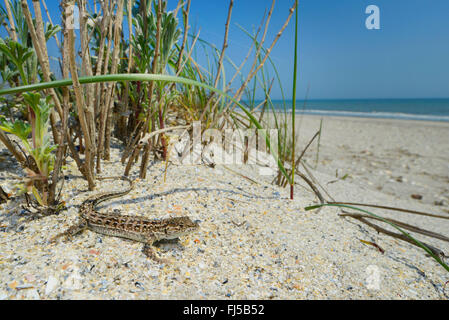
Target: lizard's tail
[107,196]
[117,177]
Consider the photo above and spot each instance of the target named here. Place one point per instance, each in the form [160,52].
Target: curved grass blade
[418,243]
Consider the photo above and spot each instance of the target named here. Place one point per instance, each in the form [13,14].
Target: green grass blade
[418,243]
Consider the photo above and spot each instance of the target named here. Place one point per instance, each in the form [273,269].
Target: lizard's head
[181,226]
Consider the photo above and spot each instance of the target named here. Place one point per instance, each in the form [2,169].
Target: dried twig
[220,62]
[434,250]
[400,224]
[8,144]
[106,114]
[392,208]
[85,114]
[145,157]
[12,29]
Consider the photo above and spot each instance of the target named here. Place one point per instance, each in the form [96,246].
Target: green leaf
[51,30]
[18,128]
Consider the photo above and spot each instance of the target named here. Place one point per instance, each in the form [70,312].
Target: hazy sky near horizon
[339,58]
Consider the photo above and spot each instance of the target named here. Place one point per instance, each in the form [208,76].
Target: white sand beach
[253,242]
[396,157]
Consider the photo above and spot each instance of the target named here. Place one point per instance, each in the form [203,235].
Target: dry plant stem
[107,107]
[145,157]
[302,154]
[8,144]
[392,208]
[256,57]
[114,68]
[5,25]
[241,175]
[239,93]
[12,30]
[64,137]
[86,50]
[66,97]
[312,186]
[132,142]
[122,129]
[178,6]
[235,74]
[265,102]
[85,56]
[59,156]
[103,86]
[106,23]
[189,56]
[146,140]
[400,224]
[267,54]
[49,19]
[184,39]
[220,62]
[225,44]
[38,38]
[131,160]
[181,62]
[39,43]
[143,12]
[84,114]
[247,55]
[316,181]
[434,250]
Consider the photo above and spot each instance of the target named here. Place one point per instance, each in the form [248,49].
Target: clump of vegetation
[130,107]
[40,150]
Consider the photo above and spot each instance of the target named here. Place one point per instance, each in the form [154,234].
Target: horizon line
[315,99]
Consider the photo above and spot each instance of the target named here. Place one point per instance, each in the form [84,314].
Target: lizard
[140,229]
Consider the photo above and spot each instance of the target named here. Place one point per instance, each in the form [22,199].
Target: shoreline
[366,115]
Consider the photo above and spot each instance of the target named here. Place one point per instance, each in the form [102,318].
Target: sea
[407,109]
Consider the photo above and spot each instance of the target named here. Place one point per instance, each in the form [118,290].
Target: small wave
[384,115]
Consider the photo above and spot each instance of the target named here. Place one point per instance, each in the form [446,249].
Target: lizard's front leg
[72,231]
[149,252]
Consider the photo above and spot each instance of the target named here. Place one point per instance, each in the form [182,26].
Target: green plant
[41,148]
[23,58]
[51,30]
[295,69]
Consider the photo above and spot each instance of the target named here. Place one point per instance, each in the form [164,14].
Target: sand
[396,157]
[253,242]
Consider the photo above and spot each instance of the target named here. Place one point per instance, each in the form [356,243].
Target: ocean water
[410,109]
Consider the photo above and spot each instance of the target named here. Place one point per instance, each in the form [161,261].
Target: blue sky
[338,57]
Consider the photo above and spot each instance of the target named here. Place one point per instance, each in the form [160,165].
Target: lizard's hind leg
[72,231]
